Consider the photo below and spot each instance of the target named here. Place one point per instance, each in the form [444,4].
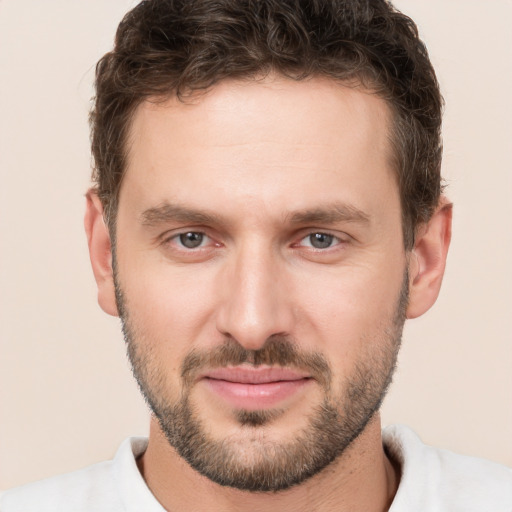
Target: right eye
[189,246]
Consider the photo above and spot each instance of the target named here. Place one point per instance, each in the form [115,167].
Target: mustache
[277,351]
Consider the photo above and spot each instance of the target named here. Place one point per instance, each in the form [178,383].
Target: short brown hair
[175,47]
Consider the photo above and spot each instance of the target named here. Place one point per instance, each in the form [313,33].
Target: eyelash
[318,234]
[177,238]
[333,240]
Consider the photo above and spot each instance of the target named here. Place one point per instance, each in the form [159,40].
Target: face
[261,275]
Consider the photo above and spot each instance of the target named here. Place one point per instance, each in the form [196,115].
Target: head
[269,176]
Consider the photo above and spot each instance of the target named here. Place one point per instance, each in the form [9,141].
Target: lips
[255,388]
[255,375]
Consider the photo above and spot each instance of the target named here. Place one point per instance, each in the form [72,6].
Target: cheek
[349,312]
[169,307]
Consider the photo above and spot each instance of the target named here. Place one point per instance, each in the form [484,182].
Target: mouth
[255,388]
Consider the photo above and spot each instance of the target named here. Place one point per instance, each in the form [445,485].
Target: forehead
[258,142]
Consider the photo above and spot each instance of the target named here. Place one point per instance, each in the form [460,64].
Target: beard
[252,461]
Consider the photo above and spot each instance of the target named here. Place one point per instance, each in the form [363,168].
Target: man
[267,213]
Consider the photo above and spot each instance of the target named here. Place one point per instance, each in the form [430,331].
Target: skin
[257,156]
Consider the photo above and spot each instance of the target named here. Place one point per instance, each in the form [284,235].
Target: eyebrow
[171,212]
[330,214]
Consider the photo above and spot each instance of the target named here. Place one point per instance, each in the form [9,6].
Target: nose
[255,302]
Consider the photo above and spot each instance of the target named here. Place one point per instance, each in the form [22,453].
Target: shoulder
[440,480]
[100,487]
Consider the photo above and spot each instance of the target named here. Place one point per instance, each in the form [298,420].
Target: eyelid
[335,241]
[171,247]
[341,238]
[172,235]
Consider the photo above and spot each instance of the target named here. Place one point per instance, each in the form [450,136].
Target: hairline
[366,84]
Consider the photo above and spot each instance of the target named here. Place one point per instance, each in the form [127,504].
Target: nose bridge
[254,306]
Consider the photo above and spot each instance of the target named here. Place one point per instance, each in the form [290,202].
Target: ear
[428,260]
[100,252]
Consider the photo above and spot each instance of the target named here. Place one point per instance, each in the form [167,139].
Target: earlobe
[428,260]
[100,252]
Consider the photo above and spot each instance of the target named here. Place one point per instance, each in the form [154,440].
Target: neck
[362,479]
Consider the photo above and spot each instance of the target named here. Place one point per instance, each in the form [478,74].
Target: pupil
[191,239]
[321,240]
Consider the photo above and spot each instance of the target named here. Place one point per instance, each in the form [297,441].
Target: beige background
[66,394]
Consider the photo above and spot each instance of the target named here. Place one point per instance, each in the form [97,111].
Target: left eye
[319,240]
[191,239]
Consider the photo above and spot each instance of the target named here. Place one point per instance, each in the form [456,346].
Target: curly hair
[176,47]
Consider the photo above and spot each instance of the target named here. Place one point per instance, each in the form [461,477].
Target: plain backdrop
[67,398]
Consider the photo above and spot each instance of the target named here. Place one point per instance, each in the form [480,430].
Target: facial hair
[253,462]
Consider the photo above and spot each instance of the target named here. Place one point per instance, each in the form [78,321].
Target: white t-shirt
[432,480]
